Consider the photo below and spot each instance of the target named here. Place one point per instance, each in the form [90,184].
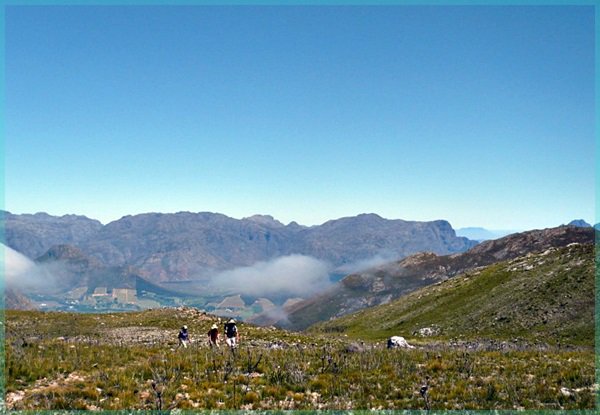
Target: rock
[355,348]
[565,391]
[398,342]
[428,331]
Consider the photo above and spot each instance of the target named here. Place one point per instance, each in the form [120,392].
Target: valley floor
[131,361]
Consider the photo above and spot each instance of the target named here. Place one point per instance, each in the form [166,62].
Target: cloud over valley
[292,275]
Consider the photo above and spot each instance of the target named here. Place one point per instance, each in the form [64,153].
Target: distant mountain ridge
[185,245]
[390,281]
[33,234]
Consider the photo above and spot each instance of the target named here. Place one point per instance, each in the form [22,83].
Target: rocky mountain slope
[384,283]
[184,245]
[347,240]
[15,300]
[546,297]
[33,235]
[68,266]
[71,269]
[65,278]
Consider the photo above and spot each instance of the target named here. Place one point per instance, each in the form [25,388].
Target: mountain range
[151,259]
[186,246]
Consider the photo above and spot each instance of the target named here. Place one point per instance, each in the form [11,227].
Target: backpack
[230,329]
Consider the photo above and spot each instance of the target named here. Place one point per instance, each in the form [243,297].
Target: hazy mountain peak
[366,218]
[267,220]
[295,225]
[580,223]
[369,216]
[363,219]
[44,216]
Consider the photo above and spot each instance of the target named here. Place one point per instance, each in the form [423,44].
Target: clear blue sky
[483,116]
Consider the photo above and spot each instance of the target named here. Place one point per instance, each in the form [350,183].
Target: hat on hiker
[214,326]
[184,327]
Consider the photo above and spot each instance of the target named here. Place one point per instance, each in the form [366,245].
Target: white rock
[398,342]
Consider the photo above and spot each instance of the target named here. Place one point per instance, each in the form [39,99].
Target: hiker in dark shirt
[231,333]
[213,336]
[184,337]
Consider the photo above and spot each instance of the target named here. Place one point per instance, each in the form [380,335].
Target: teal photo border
[30,3]
[2,152]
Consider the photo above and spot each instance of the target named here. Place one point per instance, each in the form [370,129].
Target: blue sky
[483,116]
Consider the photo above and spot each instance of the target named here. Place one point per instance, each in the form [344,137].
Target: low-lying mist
[383,257]
[292,276]
[23,274]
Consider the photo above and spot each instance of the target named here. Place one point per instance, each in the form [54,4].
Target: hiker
[213,336]
[231,332]
[184,337]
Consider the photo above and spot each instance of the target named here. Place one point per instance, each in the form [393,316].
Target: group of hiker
[232,336]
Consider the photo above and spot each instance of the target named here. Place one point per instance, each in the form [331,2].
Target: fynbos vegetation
[74,361]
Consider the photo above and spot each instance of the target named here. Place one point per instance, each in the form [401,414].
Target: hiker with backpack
[184,337]
[213,336]
[231,333]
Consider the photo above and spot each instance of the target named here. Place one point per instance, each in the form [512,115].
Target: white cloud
[22,273]
[293,275]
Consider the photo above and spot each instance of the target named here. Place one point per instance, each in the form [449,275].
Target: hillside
[59,361]
[390,281]
[184,245]
[543,298]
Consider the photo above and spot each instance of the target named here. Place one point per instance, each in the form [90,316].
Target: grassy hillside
[547,297]
[387,282]
[130,361]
